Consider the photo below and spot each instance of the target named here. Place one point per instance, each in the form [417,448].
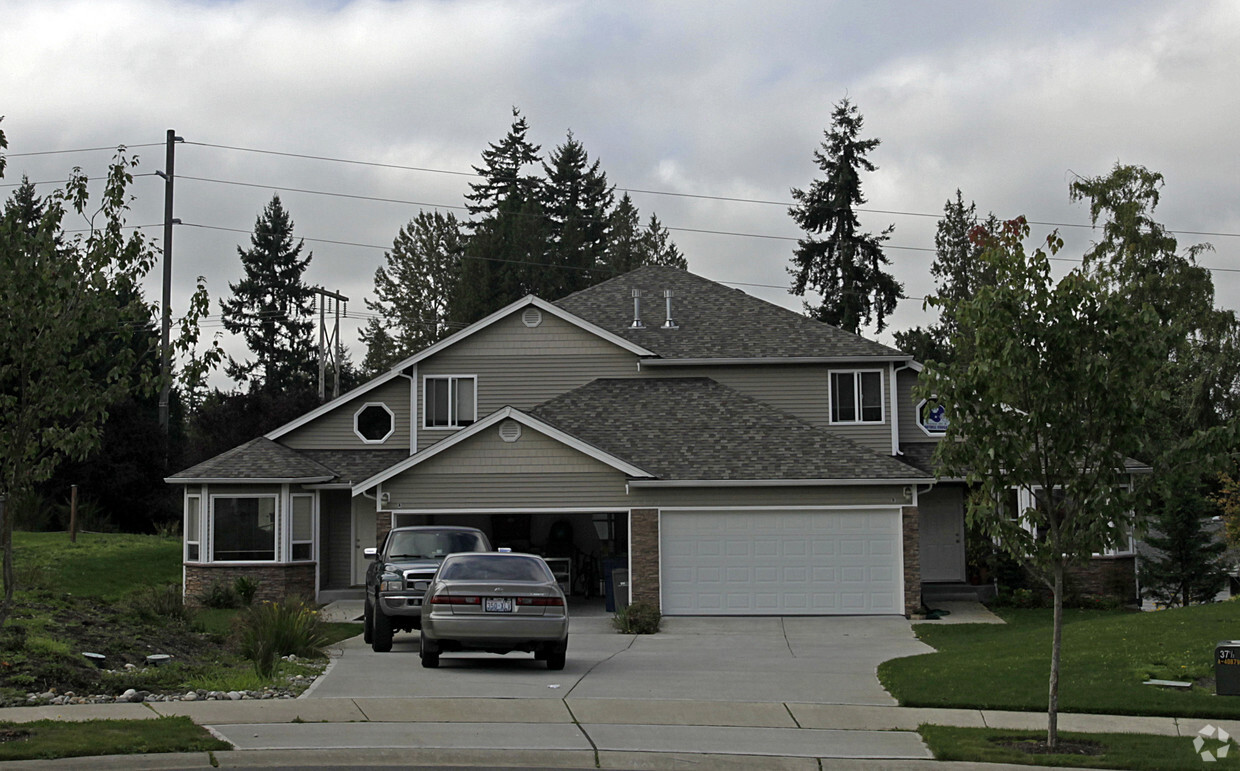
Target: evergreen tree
[845,267]
[272,308]
[507,245]
[1188,565]
[658,249]
[577,201]
[625,248]
[413,290]
[959,270]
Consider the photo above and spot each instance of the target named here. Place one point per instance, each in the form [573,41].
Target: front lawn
[1107,655]
[1139,752]
[51,739]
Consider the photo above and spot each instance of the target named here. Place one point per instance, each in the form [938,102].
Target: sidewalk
[572,733]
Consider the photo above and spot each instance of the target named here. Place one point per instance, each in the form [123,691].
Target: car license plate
[497,604]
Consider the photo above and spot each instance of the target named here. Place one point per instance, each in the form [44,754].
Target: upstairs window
[450,401]
[857,397]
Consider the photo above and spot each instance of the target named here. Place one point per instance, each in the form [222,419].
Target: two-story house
[735,456]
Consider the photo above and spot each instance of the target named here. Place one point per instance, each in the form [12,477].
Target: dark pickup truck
[398,576]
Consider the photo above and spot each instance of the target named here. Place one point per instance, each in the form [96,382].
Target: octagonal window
[374,423]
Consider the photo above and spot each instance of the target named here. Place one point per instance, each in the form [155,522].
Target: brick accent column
[911,523]
[644,554]
[275,582]
[383,526]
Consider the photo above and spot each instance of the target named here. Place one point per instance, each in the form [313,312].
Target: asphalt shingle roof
[714,321]
[258,458]
[695,428]
[356,465]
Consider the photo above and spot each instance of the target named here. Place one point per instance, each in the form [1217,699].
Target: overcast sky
[1005,101]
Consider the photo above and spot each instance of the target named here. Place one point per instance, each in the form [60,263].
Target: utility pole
[329,343]
[165,364]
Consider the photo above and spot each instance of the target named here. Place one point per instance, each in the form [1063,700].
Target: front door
[942,534]
[363,536]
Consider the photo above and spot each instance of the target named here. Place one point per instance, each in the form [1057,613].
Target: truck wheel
[368,624]
[430,653]
[556,655]
[381,636]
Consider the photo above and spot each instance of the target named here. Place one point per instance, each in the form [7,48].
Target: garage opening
[582,549]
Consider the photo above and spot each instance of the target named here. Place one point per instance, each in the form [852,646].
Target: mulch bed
[1039,747]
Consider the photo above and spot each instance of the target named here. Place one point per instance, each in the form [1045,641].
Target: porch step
[932,593]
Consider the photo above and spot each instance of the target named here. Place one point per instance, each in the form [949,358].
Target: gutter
[773,360]
[246,481]
[777,482]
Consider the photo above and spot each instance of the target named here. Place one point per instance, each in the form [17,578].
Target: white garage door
[780,562]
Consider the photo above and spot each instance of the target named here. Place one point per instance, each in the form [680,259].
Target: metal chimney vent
[637,310]
[669,324]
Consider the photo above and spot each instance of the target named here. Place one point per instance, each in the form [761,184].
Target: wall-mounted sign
[933,420]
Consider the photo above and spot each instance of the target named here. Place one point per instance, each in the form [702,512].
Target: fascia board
[246,480]
[482,425]
[665,362]
[451,340]
[777,482]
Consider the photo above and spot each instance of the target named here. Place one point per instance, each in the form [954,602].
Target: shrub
[273,629]
[160,604]
[219,595]
[245,588]
[638,618]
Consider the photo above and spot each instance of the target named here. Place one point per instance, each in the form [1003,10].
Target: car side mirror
[370,553]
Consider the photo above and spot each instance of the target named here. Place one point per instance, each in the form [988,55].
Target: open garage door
[780,562]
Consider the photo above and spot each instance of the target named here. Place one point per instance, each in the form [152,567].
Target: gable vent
[532,317]
[510,430]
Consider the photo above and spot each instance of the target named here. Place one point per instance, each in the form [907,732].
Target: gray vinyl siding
[798,389]
[334,431]
[449,492]
[522,366]
[486,472]
[909,430]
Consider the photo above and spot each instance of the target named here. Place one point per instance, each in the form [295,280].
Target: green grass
[1139,752]
[117,563]
[50,739]
[1107,655]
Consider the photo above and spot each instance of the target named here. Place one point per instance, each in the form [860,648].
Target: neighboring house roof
[698,429]
[921,455]
[258,460]
[714,321]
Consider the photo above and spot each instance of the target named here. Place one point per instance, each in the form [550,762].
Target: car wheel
[368,624]
[381,634]
[429,652]
[556,655]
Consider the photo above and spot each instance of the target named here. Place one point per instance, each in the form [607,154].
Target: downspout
[413,409]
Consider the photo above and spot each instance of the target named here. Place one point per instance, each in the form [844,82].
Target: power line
[113,148]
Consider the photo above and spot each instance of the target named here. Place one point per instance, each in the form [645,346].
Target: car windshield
[490,567]
[427,544]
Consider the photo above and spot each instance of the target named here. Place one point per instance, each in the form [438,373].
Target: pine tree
[1187,567]
[413,290]
[272,308]
[625,247]
[577,201]
[658,249]
[507,245]
[845,268]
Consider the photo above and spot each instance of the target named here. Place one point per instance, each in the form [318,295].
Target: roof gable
[258,460]
[714,321]
[452,340]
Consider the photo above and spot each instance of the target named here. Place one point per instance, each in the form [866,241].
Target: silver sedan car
[498,602]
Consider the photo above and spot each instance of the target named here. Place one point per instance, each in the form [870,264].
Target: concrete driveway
[820,660]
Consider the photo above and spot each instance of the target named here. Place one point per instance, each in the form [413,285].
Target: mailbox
[1227,668]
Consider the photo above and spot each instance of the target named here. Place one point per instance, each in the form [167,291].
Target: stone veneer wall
[644,554]
[911,521]
[383,526]
[276,581]
[1106,577]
